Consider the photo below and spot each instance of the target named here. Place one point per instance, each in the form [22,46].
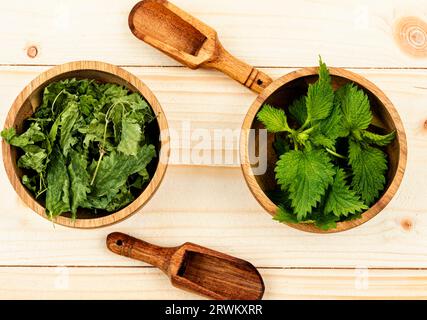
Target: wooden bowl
[30,98]
[280,94]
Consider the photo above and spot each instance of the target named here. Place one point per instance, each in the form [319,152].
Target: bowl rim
[115,71]
[259,194]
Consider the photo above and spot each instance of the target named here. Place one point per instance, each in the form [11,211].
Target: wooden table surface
[209,203]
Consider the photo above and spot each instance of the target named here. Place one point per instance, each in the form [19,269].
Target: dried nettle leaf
[85,147]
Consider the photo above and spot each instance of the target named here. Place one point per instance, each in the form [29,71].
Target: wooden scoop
[195,268]
[190,41]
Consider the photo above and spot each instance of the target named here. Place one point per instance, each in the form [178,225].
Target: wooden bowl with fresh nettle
[321,150]
[335,149]
[81,144]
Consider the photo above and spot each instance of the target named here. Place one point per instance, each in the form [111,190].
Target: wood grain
[212,101]
[194,268]
[228,217]
[191,42]
[282,33]
[221,213]
[231,222]
[149,283]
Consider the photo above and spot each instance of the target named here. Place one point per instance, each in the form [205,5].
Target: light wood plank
[208,100]
[149,283]
[282,33]
[213,206]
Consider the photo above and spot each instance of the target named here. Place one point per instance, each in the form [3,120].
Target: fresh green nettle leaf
[332,127]
[84,147]
[284,215]
[331,167]
[368,165]
[306,176]
[298,110]
[320,96]
[326,221]
[274,119]
[340,200]
[379,140]
[355,107]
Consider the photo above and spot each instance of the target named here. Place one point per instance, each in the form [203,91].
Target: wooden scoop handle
[131,247]
[189,41]
[238,70]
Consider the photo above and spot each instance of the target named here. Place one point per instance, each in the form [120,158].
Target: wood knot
[32,51]
[425,125]
[406,224]
[410,34]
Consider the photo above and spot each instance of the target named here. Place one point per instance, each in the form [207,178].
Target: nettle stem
[101,150]
[54,101]
[104,138]
[101,154]
[335,153]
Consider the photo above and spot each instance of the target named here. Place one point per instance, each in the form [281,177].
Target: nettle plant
[86,146]
[331,167]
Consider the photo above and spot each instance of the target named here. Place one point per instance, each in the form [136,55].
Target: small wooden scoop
[194,268]
[190,41]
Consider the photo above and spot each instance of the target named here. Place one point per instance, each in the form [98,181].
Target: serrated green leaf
[326,222]
[281,145]
[130,138]
[142,178]
[273,119]
[35,161]
[298,110]
[71,128]
[79,180]
[369,165]
[94,132]
[355,107]
[284,215]
[115,169]
[144,174]
[332,127]
[319,139]
[120,200]
[320,96]
[30,183]
[67,122]
[58,192]
[378,139]
[31,136]
[323,71]
[340,200]
[87,105]
[8,134]
[306,176]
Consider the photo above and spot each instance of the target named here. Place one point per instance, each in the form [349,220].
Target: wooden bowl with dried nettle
[81,144]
